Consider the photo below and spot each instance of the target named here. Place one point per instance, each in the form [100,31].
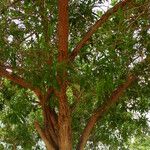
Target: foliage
[29,49]
[18,109]
[140,143]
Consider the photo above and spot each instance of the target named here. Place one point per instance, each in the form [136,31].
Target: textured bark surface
[64,123]
[64,117]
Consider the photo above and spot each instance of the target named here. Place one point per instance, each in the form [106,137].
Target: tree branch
[47,95]
[53,114]
[51,127]
[45,21]
[99,113]
[50,117]
[98,24]
[43,136]
[18,80]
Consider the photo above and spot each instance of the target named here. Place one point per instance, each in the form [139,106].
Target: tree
[89,71]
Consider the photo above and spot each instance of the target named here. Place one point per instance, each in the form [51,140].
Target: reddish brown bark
[64,117]
[99,113]
[63,29]
[50,119]
[98,24]
[64,122]
[48,143]
[49,133]
[18,80]
[50,127]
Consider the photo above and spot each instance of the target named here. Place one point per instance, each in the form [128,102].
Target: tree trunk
[48,144]
[64,117]
[64,122]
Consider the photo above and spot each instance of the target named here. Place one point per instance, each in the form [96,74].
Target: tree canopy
[73,74]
